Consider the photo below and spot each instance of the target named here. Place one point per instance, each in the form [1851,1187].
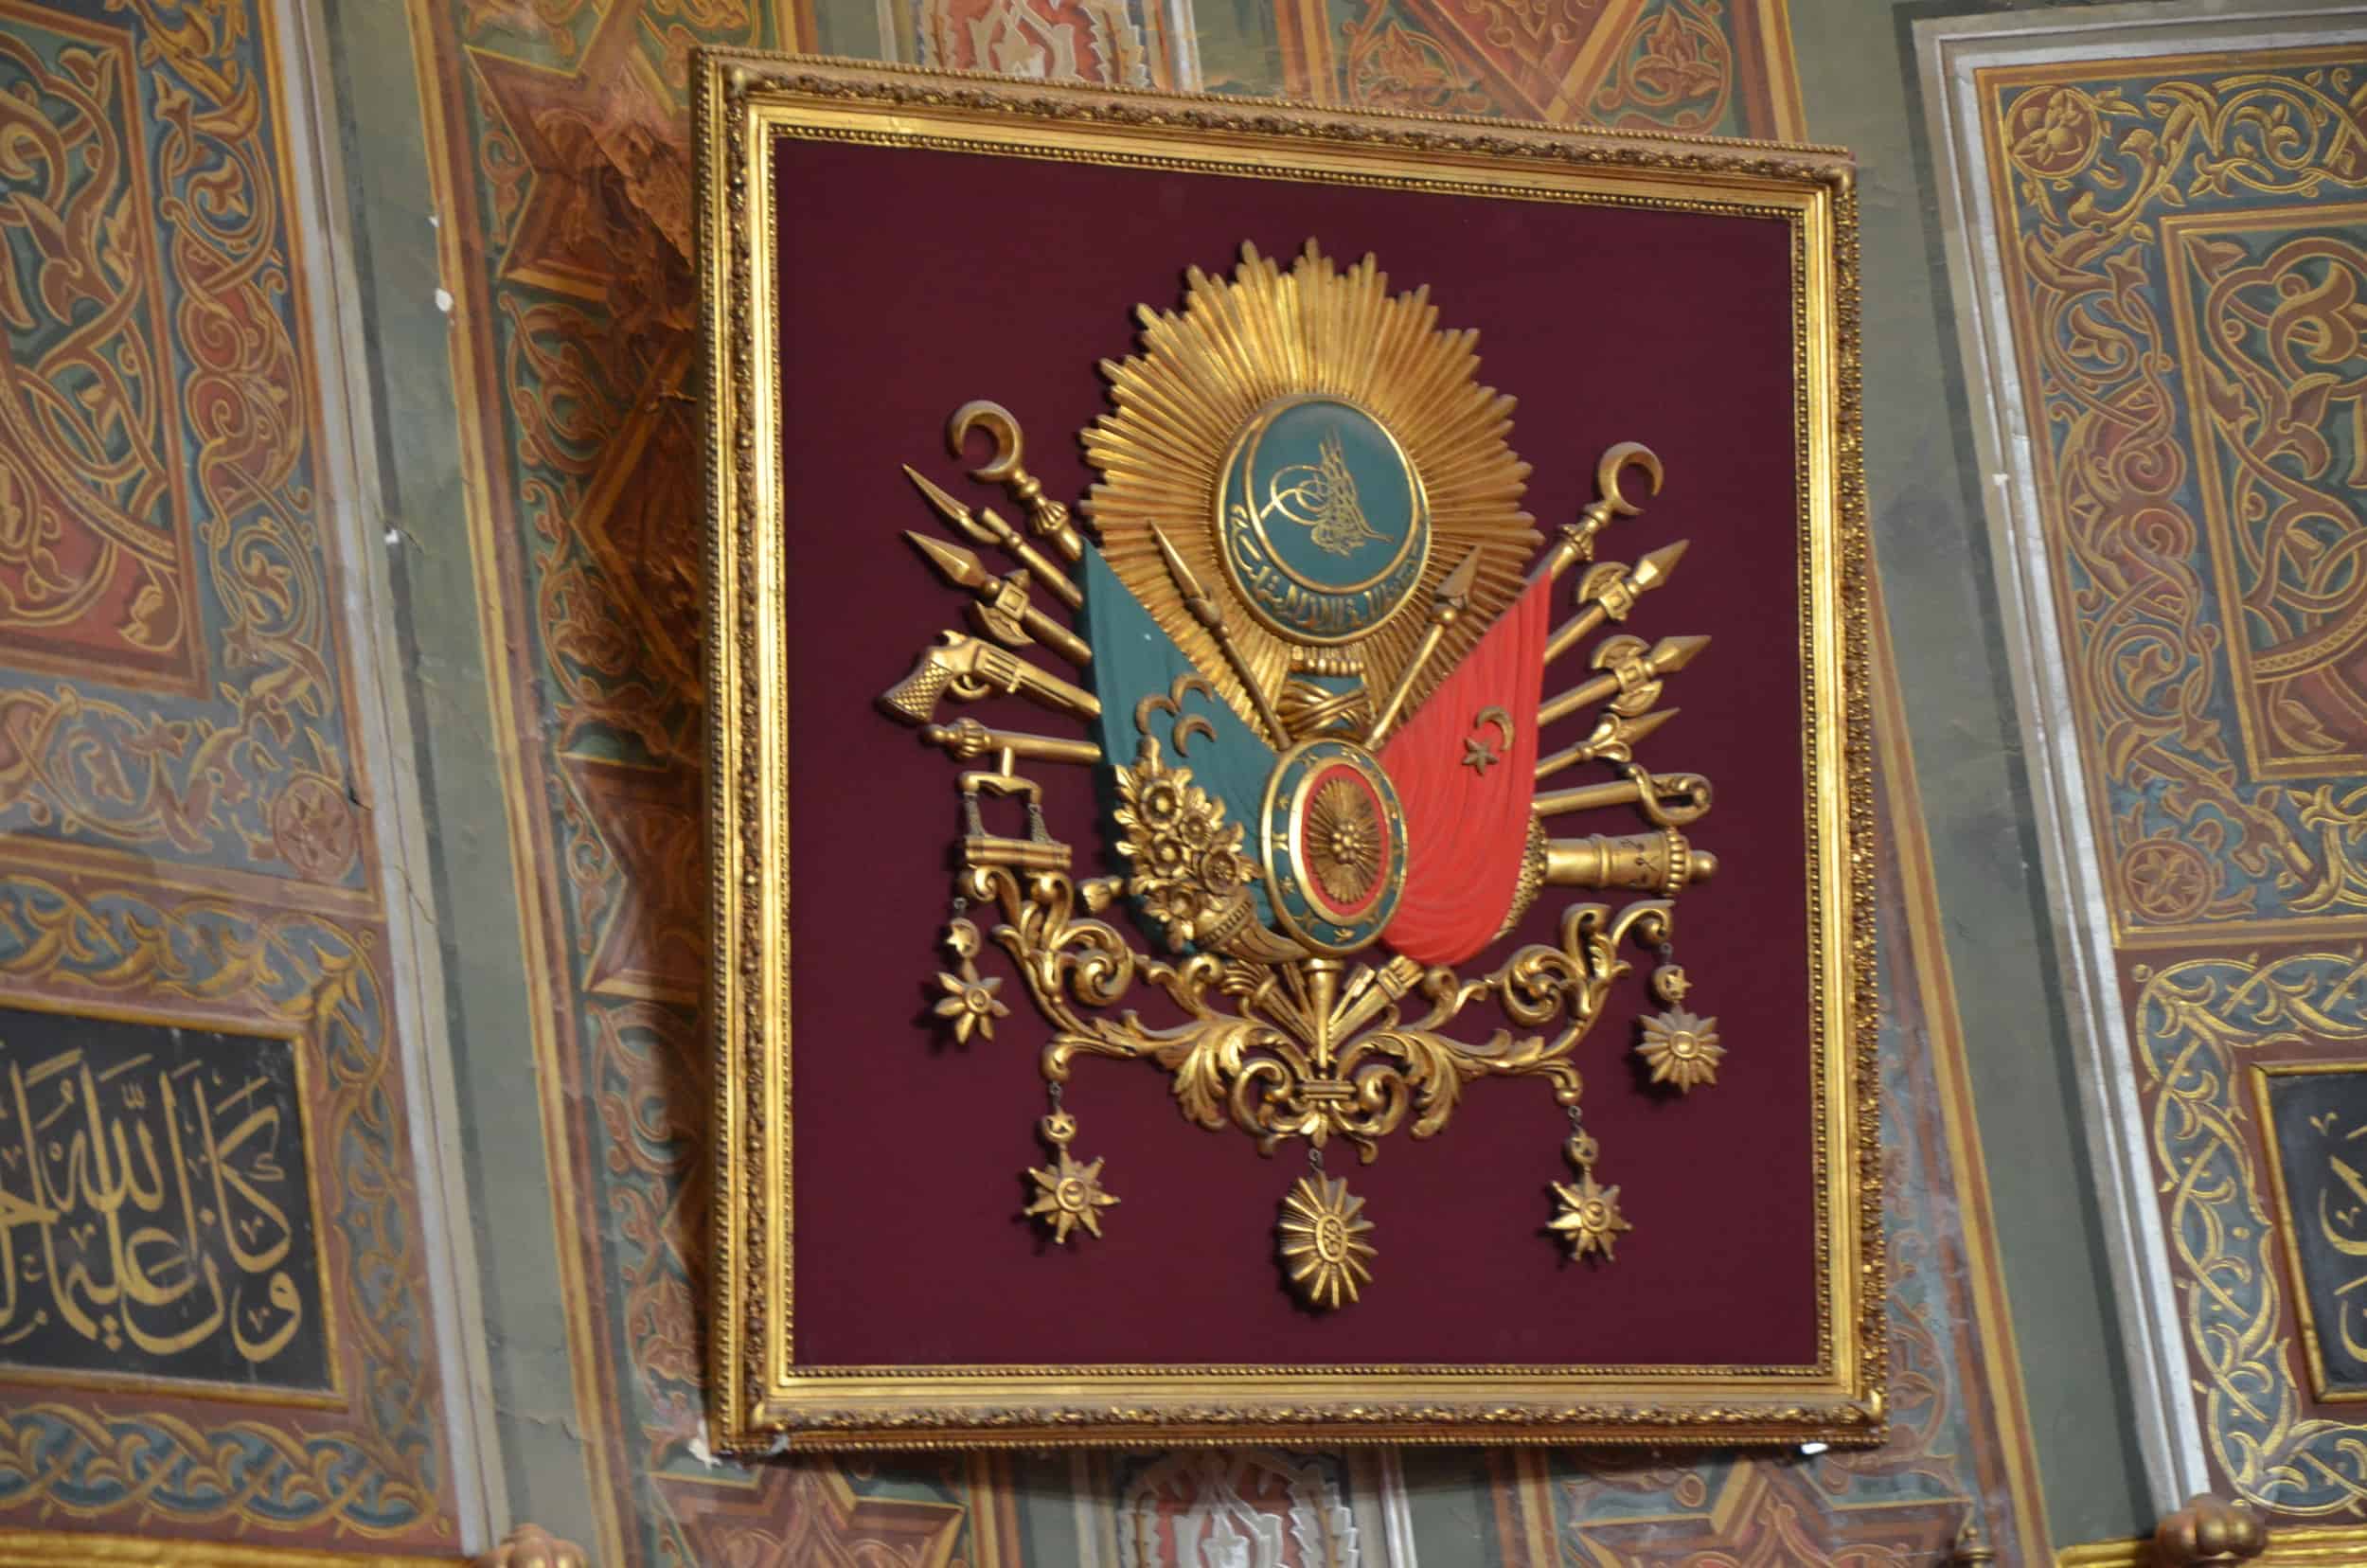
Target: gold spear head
[1671,655]
[952,510]
[959,566]
[1454,589]
[1657,568]
[1194,598]
[1635,729]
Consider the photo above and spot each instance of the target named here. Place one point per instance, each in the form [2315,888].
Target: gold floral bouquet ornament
[1310,639]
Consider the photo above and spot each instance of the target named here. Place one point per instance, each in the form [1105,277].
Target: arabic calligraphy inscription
[156,1204]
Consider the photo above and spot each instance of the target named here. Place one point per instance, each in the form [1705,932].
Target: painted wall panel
[566,255]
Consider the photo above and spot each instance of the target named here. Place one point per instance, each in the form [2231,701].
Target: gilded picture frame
[760,1393]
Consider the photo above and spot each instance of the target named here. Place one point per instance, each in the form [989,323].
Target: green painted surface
[1134,661]
[1931,547]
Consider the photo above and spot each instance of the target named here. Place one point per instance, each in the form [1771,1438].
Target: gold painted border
[2322,1547]
[152,1385]
[70,1549]
[743,101]
[2305,1310]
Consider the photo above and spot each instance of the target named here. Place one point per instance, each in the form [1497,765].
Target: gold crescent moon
[1002,426]
[1498,717]
[1606,475]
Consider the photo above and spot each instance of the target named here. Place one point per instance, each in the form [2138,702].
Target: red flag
[1465,767]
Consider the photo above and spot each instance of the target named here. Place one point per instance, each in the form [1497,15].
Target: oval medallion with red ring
[1334,845]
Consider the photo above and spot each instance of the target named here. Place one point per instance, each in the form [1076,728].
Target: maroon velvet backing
[913,281]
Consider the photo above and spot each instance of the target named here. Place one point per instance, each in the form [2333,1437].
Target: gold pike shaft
[1613,738]
[966,741]
[985,527]
[1003,607]
[1665,797]
[1049,518]
[1211,615]
[1447,606]
[1608,592]
[1623,676]
[1576,541]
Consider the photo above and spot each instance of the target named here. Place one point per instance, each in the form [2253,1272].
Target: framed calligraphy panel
[1192,1017]
[157,1218]
[2315,1117]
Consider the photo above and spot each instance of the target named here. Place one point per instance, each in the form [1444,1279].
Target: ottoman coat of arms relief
[1310,648]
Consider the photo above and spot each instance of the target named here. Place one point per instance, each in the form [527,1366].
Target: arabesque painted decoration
[185,810]
[2204,1025]
[2184,262]
[561,139]
[2185,289]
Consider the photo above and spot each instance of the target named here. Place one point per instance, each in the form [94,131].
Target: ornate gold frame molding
[744,103]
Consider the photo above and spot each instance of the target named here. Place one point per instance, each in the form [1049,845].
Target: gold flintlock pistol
[972,669]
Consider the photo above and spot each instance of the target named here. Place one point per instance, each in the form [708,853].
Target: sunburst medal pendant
[1325,1255]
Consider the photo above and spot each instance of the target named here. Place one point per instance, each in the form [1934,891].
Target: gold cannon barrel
[1660,863]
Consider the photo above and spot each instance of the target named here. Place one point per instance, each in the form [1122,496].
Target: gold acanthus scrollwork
[1334,1056]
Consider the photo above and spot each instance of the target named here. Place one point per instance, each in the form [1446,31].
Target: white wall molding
[1950,51]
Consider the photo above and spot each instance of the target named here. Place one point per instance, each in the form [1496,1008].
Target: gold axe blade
[1625,676]
[1609,592]
[1003,607]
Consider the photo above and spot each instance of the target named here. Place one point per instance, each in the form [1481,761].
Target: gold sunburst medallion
[1069,1195]
[1318,454]
[1324,1249]
[1344,838]
[1588,1215]
[1682,1049]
